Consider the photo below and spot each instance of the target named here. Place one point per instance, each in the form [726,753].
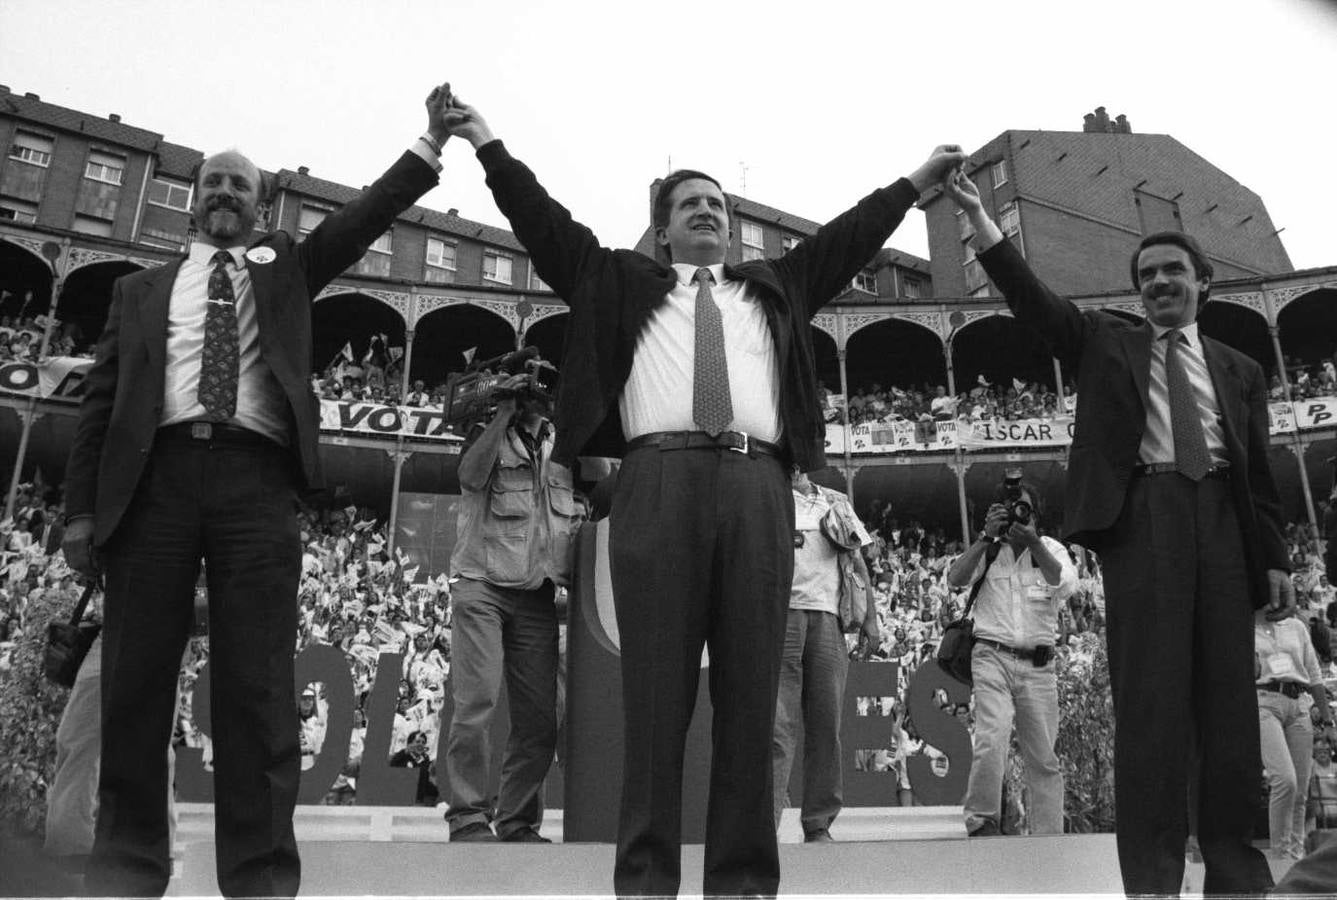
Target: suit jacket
[613,293]
[123,397]
[1112,358]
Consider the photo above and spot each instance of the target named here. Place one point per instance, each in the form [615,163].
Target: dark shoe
[477,832]
[987,828]
[525,835]
[820,836]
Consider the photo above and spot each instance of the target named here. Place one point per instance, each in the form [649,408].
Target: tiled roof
[890,256]
[177,161]
[96,127]
[333,192]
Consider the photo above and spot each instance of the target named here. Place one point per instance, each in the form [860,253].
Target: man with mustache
[1168,481]
[701,376]
[197,429]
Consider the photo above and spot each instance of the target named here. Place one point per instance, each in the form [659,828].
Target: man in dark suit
[197,429]
[1168,480]
[701,376]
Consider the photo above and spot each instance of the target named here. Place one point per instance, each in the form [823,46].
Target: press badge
[1280,664]
[261,255]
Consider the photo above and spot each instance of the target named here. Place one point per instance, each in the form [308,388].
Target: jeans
[1286,736]
[1008,689]
[498,633]
[812,691]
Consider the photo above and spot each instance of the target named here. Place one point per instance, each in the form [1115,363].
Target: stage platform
[919,851]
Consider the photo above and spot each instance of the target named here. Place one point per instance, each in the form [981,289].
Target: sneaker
[820,836]
[524,835]
[477,832]
[987,828]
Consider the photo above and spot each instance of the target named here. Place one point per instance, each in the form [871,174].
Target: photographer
[511,551]
[1026,578]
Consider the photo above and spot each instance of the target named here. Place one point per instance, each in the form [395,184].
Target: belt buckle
[202,431]
[743,449]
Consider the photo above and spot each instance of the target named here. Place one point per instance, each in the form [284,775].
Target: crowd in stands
[21,339]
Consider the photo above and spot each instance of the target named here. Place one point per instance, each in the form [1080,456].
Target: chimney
[31,96]
[452,211]
[1122,125]
[114,117]
[303,170]
[1089,123]
[1102,120]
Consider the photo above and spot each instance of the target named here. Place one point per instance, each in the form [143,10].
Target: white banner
[56,378]
[385,421]
[1317,412]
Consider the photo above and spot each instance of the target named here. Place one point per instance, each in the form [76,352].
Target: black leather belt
[217,434]
[1028,655]
[1220,471]
[1292,689]
[737,441]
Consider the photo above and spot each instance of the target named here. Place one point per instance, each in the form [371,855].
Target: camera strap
[82,605]
[990,554]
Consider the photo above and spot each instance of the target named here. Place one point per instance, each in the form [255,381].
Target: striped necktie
[1191,456]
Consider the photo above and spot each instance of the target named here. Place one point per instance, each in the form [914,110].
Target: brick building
[1077,203]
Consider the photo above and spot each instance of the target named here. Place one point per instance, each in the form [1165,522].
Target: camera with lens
[1018,510]
[471,394]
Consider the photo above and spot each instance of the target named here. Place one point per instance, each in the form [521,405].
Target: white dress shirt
[1016,606]
[1158,444]
[658,392]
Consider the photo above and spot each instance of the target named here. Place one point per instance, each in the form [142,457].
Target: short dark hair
[1202,267]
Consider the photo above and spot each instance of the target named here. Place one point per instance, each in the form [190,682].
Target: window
[911,288]
[91,225]
[440,253]
[164,240]
[998,171]
[1009,222]
[309,217]
[17,211]
[496,267]
[964,228]
[984,290]
[104,167]
[31,148]
[169,194]
[789,242]
[975,277]
[753,247]
[866,281]
[383,244]
[535,282]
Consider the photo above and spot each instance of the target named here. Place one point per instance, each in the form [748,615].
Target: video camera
[471,394]
[1018,510]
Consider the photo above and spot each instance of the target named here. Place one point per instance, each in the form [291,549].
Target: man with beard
[1168,480]
[197,429]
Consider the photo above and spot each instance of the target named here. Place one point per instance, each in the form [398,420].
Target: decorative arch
[351,317]
[85,297]
[549,335]
[396,300]
[32,246]
[1307,326]
[443,336]
[893,351]
[1000,348]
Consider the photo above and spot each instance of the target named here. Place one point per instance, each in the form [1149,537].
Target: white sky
[822,101]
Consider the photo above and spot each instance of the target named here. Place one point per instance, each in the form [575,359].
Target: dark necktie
[712,407]
[222,357]
[1191,456]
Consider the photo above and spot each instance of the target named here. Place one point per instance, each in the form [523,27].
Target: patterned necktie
[222,357]
[1191,456]
[712,407]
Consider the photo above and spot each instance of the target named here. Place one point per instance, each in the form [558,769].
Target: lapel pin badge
[261,255]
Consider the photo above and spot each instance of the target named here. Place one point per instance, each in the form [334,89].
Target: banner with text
[59,378]
[385,421]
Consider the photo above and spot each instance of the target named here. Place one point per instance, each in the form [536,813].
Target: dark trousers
[812,692]
[702,553]
[234,507]
[1180,625]
[498,633]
